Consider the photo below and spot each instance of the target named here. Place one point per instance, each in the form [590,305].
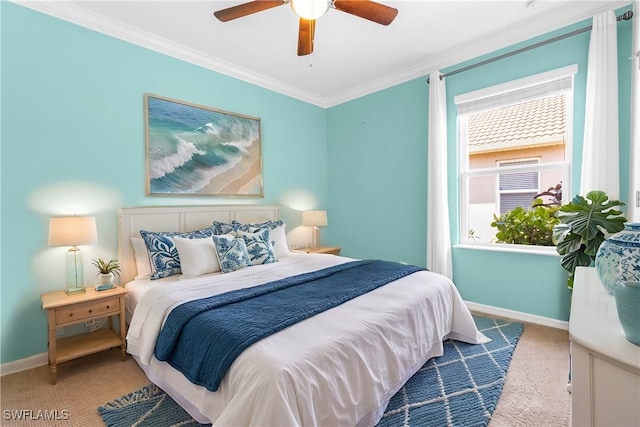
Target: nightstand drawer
[86,310]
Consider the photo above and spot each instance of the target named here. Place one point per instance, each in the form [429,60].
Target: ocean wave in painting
[190,146]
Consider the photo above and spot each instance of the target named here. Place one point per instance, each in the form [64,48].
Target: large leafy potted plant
[582,228]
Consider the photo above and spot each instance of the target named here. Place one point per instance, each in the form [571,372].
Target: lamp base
[72,291]
[315,241]
[75,276]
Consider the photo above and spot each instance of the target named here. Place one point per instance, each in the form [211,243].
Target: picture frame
[194,150]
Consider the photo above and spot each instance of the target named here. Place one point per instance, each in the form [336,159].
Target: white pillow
[142,258]
[279,240]
[197,256]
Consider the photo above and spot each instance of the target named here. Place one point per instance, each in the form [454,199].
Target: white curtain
[438,237]
[633,209]
[600,158]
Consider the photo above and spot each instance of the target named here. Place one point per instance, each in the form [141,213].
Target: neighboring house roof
[535,123]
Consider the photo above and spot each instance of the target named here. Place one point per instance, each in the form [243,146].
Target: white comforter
[338,368]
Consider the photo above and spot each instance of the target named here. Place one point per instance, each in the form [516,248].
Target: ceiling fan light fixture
[310,9]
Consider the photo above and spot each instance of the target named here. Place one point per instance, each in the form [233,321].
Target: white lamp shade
[314,218]
[310,9]
[72,231]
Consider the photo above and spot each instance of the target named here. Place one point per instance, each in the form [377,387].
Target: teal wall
[377,183]
[378,176]
[534,284]
[73,142]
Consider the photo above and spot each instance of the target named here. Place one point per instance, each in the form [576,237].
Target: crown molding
[78,15]
[73,13]
[497,41]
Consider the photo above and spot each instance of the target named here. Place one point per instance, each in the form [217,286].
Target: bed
[339,367]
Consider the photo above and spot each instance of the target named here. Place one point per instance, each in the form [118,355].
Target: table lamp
[314,219]
[73,231]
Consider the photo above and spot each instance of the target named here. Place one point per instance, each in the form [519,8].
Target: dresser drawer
[87,310]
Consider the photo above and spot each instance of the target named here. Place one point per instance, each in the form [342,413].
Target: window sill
[518,249]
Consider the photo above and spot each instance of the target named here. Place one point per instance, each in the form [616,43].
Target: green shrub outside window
[533,225]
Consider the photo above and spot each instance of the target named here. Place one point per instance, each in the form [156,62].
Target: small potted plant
[107,270]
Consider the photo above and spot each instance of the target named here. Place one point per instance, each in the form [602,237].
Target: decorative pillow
[259,246]
[220,228]
[232,252]
[163,255]
[197,256]
[248,227]
[279,241]
[142,258]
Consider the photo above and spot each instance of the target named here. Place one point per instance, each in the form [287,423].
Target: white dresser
[605,367]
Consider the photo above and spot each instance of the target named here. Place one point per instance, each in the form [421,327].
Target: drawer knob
[70,314]
[108,307]
[90,311]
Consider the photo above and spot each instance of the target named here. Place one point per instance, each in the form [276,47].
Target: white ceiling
[352,56]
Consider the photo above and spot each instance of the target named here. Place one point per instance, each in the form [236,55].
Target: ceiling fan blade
[366,9]
[305,36]
[245,9]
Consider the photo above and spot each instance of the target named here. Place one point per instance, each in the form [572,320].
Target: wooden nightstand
[323,250]
[64,310]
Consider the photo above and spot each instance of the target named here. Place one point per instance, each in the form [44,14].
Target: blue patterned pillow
[252,226]
[163,255]
[259,246]
[221,228]
[232,252]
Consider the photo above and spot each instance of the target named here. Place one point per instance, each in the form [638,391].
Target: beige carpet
[534,393]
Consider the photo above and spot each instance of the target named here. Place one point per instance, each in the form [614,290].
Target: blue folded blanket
[202,338]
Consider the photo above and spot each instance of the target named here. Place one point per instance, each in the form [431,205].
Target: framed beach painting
[200,151]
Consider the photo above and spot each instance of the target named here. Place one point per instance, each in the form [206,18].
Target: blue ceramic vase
[618,258]
[628,303]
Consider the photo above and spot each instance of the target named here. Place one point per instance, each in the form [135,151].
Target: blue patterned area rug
[148,407]
[459,388]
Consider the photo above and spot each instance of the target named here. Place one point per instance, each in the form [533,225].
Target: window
[514,142]
[517,189]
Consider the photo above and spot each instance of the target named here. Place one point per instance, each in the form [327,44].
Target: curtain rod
[624,17]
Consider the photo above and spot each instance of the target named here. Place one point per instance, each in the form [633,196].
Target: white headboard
[178,218]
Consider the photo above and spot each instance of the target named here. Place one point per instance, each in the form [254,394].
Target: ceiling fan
[309,11]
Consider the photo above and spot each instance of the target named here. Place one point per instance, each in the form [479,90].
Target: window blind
[512,201]
[516,96]
[537,86]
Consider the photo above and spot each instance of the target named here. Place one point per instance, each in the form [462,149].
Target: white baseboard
[518,315]
[24,364]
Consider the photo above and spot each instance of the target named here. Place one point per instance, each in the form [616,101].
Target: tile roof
[529,124]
